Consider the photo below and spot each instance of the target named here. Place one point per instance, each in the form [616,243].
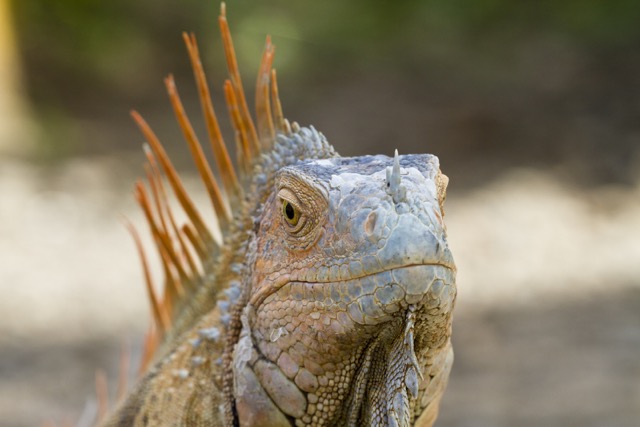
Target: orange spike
[102,394]
[277,106]
[162,239]
[157,187]
[263,105]
[151,178]
[159,315]
[173,287]
[186,254]
[173,290]
[151,339]
[174,179]
[221,155]
[162,203]
[163,244]
[166,244]
[195,240]
[244,150]
[234,74]
[123,376]
[162,232]
[188,251]
[220,205]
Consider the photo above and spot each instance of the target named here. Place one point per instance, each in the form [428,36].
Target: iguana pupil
[290,213]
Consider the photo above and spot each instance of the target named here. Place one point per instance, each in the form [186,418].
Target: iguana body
[326,301]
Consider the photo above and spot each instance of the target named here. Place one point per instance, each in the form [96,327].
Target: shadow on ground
[558,364]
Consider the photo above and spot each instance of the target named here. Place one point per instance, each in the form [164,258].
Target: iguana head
[348,320]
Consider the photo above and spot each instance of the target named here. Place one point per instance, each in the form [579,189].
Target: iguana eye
[301,208]
[291,213]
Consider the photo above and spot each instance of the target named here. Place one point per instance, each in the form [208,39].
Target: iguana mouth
[369,283]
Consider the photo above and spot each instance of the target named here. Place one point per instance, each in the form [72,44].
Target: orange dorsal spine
[185,249]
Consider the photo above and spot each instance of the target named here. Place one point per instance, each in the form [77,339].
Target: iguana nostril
[370,223]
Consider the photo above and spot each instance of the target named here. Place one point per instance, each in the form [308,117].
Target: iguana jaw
[369,337]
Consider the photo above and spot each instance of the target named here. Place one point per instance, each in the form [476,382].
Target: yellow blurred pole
[15,129]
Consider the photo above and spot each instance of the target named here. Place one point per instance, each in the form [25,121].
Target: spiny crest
[185,249]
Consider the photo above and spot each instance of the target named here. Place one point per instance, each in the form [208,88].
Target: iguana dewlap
[322,293]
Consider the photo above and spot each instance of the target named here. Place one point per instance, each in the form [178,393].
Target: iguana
[321,292]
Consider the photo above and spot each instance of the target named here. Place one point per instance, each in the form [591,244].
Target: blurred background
[532,107]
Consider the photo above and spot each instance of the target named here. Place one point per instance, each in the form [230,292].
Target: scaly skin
[346,313]
[329,302]
[345,318]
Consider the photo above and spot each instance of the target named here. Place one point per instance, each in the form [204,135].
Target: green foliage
[82,54]
[92,35]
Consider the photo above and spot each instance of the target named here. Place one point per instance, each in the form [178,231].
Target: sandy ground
[547,329]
